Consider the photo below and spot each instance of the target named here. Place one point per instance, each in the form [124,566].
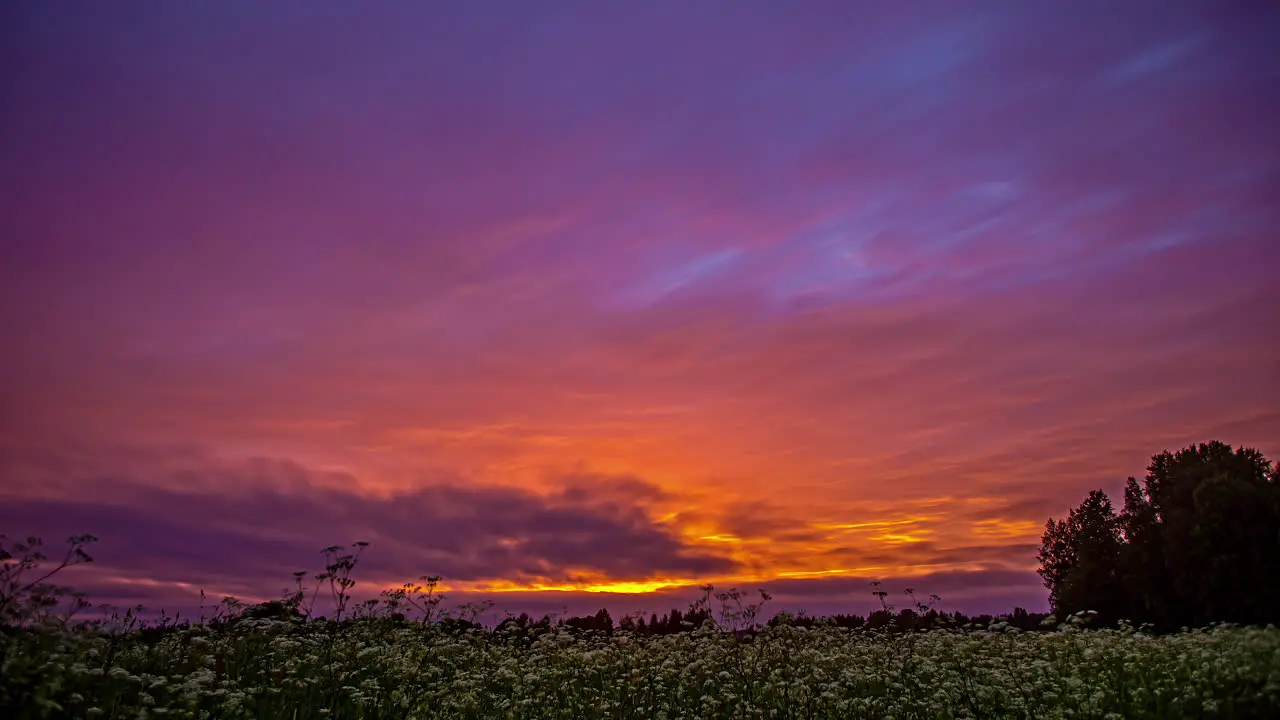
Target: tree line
[1196,541]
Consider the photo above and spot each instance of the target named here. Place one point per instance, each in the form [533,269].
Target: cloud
[800,269]
[274,517]
[166,537]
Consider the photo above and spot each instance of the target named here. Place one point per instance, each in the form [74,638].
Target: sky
[562,299]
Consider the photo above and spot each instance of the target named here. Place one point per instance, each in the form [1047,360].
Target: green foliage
[1198,541]
[375,668]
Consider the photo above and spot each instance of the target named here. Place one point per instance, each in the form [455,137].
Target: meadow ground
[380,668]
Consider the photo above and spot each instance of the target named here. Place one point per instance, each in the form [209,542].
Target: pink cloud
[943,266]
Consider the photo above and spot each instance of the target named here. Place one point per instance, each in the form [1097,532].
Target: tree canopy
[1197,541]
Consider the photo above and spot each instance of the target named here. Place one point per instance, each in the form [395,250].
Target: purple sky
[549,297]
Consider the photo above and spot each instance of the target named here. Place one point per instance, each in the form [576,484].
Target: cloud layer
[591,296]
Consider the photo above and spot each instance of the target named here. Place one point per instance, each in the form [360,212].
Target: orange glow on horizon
[621,587]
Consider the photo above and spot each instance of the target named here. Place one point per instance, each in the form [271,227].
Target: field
[379,668]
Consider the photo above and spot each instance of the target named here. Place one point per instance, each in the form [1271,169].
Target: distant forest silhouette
[1197,542]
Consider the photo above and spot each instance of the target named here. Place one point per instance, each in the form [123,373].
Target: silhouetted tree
[1203,537]
[879,619]
[627,624]
[600,622]
[852,622]
[1198,541]
[1079,559]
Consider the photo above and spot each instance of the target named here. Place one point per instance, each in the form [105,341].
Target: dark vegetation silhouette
[28,600]
[1197,541]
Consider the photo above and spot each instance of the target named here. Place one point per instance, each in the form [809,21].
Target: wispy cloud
[795,273]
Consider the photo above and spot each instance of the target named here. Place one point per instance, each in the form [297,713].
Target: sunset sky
[550,298]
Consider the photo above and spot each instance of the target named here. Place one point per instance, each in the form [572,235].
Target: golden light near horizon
[580,319]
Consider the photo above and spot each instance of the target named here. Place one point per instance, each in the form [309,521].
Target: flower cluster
[381,668]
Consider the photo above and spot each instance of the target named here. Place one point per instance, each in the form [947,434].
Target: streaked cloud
[806,297]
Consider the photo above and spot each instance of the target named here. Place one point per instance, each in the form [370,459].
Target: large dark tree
[1203,536]
[1198,541]
[1080,558]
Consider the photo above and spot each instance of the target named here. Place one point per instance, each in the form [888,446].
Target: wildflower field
[382,668]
